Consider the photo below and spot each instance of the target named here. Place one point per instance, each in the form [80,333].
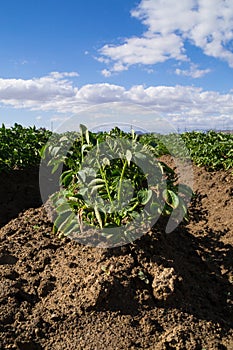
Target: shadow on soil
[19,190]
[201,262]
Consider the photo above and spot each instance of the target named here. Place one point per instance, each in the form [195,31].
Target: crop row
[213,150]
[20,147]
[113,181]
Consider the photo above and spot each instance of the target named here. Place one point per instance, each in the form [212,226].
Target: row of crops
[20,146]
[113,181]
[213,150]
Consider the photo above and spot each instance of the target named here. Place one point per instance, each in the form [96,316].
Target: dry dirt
[165,291]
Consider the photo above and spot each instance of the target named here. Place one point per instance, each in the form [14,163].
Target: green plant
[112,183]
[20,147]
[214,150]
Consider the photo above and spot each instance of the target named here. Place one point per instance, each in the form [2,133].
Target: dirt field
[165,291]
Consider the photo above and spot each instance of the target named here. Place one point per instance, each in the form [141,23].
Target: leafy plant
[214,150]
[112,183]
[20,147]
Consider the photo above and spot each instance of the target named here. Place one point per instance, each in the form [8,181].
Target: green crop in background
[214,150]
[20,147]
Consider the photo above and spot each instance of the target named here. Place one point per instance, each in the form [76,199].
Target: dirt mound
[164,291]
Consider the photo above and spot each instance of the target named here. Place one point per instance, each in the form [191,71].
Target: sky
[166,59]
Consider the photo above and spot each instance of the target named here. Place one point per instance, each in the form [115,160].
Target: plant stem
[102,172]
[121,181]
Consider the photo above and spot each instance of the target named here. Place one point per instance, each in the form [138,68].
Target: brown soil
[165,291]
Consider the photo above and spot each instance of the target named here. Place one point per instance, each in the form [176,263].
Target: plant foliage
[110,181]
[214,150]
[20,147]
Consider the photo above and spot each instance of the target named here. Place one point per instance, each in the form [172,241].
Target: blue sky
[58,58]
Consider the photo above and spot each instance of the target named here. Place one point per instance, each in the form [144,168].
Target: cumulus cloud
[37,92]
[206,24]
[100,93]
[58,93]
[193,72]
[148,50]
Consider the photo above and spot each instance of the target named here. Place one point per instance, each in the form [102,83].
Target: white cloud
[57,93]
[59,75]
[106,73]
[207,24]
[147,50]
[100,93]
[118,67]
[29,93]
[193,72]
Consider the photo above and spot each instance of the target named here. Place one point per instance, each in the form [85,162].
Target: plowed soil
[164,291]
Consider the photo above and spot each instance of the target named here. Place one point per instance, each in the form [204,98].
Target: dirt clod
[164,282]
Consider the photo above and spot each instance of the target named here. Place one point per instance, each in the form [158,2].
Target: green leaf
[87,136]
[67,177]
[63,208]
[82,175]
[55,151]
[96,181]
[155,207]
[74,227]
[98,216]
[68,223]
[106,162]
[144,196]
[60,219]
[56,166]
[85,146]
[171,198]
[128,156]
[83,129]
[183,208]
[186,190]
[95,188]
[63,138]
[83,191]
